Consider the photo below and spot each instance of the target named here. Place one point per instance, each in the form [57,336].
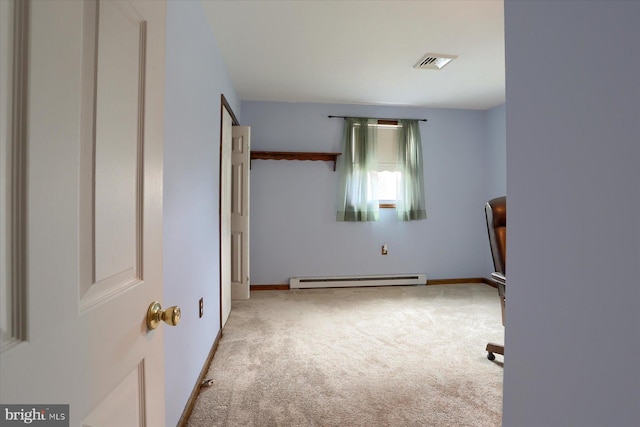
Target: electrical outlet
[201,306]
[385,249]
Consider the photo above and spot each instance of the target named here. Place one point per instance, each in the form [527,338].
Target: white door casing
[94,218]
[240,162]
[225,217]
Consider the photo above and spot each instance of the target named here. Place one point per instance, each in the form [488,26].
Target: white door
[93,219]
[225,218]
[240,158]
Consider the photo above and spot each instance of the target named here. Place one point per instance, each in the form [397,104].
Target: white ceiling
[363,52]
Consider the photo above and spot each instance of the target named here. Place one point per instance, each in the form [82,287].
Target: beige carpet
[384,356]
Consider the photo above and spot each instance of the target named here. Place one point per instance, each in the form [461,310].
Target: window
[388,174]
[381,166]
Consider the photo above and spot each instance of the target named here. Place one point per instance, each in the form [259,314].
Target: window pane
[387,185]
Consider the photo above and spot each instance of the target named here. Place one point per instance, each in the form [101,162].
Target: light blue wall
[496,152]
[293,203]
[195,78]
[573,178]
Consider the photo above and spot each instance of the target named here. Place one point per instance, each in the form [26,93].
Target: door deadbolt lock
[155,315]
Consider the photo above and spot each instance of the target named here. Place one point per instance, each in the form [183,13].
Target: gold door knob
[155,314]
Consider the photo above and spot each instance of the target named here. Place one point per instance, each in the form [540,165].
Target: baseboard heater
[354,281]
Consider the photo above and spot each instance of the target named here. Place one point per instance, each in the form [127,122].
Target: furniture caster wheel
[491,356]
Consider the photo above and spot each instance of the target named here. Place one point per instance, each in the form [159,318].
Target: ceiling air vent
[434,61]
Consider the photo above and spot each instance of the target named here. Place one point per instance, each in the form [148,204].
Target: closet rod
[390,120]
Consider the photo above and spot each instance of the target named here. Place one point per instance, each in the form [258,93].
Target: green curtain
[410,205]
[358,199]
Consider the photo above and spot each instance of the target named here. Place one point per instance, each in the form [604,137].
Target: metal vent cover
[434,61]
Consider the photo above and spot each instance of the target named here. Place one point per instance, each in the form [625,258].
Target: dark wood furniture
[295,155]
[496,213]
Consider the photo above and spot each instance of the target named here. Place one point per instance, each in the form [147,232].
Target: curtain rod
[391,120]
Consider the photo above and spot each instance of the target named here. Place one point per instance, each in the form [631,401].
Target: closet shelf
[295,155]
